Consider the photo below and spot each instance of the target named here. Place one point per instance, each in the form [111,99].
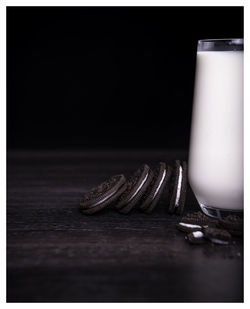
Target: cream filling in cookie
[161,181]
[104,199]
[139,188]
[218,241]
[190,225]
[178,193]
[198,234]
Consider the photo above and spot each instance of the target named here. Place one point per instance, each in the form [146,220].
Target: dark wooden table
[56,254]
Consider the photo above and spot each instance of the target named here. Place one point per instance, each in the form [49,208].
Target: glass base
[219,213]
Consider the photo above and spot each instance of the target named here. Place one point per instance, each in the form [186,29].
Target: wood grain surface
[57,254]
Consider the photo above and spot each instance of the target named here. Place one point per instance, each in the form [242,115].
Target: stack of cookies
[143,190]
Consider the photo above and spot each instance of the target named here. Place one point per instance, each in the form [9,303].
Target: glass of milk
[216,144]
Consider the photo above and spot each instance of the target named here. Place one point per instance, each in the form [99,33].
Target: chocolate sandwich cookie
[196,237]
[161,176]
[178,188]
[217,236]
[103,195]
[196,217]
[137,184]
[233,224]
[193,222]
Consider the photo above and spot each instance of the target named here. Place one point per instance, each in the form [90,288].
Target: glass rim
[223,40]
[224,44]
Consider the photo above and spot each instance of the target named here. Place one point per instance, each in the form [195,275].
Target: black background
[106,77]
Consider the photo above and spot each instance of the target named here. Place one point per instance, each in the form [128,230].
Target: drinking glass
[216,142]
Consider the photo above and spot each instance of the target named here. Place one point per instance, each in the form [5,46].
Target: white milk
[216,145]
